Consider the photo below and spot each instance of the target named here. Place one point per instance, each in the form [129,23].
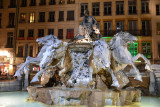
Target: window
[30,33]
[133,48]
[61,1]
[60,33]
[119,7]
[12,4]
[107,8]
[21,33]
[51,17]
[132,7]
[23,3]
[70,33]
[146,49]
[120,26]
[39,48]
[158,28]
[31,17]
[31,51]
[40,32]
[84,6]
[50,31]
[41,16]
[9,40]
[71,1]
[20,51]
[1,4]
[108,28]
[70,15]
[52,2]
[157,9]
[61,15]
[133,27]
[98,24]
[0,20]
[146,28]
[11,20]
[95,9]
[145,6]
[42,2]
[32,2]
[23,18]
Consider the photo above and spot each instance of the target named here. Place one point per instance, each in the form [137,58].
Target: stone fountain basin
[82,96]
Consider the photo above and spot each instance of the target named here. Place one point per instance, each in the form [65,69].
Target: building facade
[138,17]
[23,21]
[7,33]
[156,30]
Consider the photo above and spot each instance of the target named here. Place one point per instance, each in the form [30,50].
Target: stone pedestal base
[78,96]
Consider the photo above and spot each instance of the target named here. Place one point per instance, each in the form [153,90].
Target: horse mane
[116,41]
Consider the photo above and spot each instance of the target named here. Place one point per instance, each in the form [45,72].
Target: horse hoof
[115,84]
[139,78]
[148,67]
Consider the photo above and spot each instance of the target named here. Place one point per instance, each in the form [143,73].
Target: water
[18,99]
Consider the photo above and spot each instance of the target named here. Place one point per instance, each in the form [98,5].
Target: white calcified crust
[52,49]
[82,71]
[121,54]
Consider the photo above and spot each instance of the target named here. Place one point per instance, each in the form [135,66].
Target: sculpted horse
[52,49]
[100,60]
[122,56]
[114,57]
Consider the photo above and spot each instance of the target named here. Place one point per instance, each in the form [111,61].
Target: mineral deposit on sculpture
[85,71]
[85,60]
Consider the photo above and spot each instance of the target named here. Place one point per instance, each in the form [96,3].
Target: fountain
[85,71]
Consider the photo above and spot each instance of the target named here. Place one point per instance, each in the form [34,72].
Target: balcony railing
[119,12]
[22,21]
[12,6]
[31,21]
[30,38]
[61,19]
[107,13]
[20,38]
[52,3]
[11,26]
[42,3]
[42,20]
[96,13]
[111,33]
[24,5]
[70,1]
[32,4]
[70,19]
[9,46]
[132,12]
[51,20]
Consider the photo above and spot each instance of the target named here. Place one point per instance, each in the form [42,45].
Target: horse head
[122,39]
[48,40]
[126,37]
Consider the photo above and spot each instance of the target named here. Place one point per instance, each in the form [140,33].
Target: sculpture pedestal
[78,96]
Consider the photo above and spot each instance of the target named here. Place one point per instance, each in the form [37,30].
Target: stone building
[156,30]
[23,21]
[139,17]
[7,33]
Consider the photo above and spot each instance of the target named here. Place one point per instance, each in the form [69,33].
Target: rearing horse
[120,53]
